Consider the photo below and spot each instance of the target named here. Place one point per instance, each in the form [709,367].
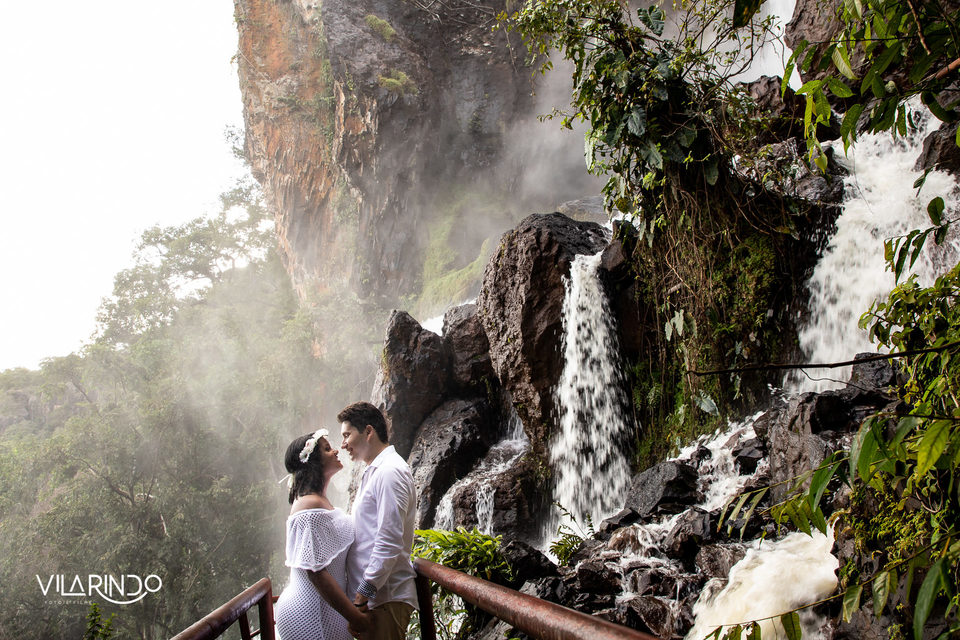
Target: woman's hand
[360,626]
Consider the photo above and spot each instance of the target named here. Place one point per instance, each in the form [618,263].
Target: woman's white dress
[316,539]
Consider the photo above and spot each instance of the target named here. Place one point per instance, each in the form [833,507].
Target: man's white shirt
[384,514]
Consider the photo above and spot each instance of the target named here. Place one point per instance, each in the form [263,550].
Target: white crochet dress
[316,539]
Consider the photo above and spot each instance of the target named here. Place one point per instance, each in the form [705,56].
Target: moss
[453,286]
[396,81]
[381,27]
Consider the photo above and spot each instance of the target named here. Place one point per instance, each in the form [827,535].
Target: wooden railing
[215,623]
[537,618]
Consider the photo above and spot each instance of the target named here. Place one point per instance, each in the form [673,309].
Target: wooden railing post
[428,627]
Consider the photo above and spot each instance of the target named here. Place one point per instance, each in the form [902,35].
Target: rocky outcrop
[468,351]
[412,380]
[520,306]
[449,443]
[940,151]
[367,120]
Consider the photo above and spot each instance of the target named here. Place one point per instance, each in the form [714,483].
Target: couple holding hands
[350,575]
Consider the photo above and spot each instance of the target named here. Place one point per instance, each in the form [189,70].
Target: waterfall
[589,451]
[501,457]
[880,202]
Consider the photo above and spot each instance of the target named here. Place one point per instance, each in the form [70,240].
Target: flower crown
[311,443]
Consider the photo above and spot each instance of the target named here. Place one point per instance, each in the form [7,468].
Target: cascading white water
[501,457]
[880,202]
[485,493]
[589,451]
[773,578]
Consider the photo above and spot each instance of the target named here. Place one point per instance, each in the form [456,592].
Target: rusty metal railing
[215,623]
[535,617]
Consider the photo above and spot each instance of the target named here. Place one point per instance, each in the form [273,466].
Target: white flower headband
[308,448]
[311,443]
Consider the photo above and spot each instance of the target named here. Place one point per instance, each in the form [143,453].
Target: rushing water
[880,202]
[589,451]
[501,457]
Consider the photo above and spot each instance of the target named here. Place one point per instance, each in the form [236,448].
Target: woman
[314,606]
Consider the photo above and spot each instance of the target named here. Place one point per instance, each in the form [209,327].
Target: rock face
[366,119]
[412,380]
[520,307]
[449,443]
[940,151]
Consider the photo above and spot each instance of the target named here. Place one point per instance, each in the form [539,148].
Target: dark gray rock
[520,306]
[940,151]
[716,560]
[595,576]
[668,487]
[527,563]
[413,378]
[692,529]
[468,351]
[648,613]
[748,455]
[873,375]
[518,499]
[449,443]
[620,519]
[815,21]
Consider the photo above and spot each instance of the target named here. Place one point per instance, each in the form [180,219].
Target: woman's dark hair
[307,476]
[361,414]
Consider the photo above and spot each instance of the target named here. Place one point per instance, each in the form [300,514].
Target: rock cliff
[381,131]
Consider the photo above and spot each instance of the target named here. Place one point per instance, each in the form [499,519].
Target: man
[378,566]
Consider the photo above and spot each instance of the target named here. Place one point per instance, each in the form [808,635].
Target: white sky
[112,116]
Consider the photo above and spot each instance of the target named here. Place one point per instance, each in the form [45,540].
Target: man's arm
[393,497]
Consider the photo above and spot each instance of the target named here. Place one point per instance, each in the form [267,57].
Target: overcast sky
[112,120]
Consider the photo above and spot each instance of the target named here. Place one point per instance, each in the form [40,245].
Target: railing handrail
[219,620]
[535,617]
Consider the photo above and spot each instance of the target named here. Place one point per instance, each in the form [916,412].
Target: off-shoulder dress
[316,539]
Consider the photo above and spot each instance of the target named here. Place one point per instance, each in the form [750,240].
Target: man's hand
[362,625]
[360,600]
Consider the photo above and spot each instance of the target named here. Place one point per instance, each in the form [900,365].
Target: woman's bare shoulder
[310,501]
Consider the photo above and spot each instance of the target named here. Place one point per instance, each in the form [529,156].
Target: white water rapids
[880,202]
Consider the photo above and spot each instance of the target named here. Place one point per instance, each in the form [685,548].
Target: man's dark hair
[361,414]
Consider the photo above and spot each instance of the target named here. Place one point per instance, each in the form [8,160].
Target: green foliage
[471,552]
[398,82]
[656,105]
[97,627]
[381,27]
[155,449]
[569,536]
[886,52]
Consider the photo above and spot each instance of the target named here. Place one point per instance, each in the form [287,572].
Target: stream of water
[589,452]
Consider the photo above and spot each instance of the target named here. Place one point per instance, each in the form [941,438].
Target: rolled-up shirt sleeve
[393,498]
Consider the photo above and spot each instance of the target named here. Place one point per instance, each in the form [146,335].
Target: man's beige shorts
[390,621]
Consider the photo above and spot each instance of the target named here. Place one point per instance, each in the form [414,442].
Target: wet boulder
[527,562]
[940,151]
[468,351]
[668,487]
[692,529]
[652,614]
[520,307]
[748,455]
[412,380]
[716,560]
[449,443]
